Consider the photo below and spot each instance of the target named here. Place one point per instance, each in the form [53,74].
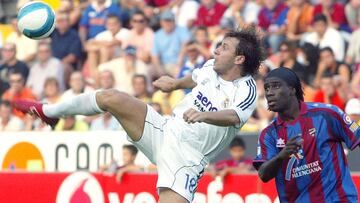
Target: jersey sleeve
[266,148]
[345,128]
[205,69]
[245,102]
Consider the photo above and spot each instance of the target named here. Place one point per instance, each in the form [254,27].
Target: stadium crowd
[127,44]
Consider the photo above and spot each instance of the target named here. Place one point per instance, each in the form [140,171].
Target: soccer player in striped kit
[302,148]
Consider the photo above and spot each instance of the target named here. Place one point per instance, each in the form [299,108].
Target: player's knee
[108,98]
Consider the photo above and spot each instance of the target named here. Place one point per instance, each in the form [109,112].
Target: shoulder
[268,132]
[209,63]
[21,64]
[325,109]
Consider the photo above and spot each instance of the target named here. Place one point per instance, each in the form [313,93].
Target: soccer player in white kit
[222,99]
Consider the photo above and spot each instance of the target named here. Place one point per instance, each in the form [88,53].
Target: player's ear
[292,91]
[239,60]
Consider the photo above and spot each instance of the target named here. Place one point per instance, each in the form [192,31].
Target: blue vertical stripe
[303,181]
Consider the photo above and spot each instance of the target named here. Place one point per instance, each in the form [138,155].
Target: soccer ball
[36,20]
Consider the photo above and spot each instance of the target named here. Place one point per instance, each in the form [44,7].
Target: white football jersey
[213,94]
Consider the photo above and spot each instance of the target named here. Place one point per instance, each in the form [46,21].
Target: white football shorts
[179,165]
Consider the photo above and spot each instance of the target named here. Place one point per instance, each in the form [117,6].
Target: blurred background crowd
[127,44]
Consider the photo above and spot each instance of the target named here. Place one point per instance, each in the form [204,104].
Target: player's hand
[165,83]
[193,116]
[291,147]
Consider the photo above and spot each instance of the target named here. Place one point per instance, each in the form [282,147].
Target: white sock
[83,104]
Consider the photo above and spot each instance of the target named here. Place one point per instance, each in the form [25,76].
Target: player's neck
[290,113]
[231,75]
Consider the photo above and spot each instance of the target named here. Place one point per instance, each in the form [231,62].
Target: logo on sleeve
[347,119]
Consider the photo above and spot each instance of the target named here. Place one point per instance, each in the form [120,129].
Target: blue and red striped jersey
[319,171]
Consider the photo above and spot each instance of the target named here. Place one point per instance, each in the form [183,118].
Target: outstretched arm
[168,84]
[227,117]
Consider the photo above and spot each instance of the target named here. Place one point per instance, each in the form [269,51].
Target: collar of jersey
[221,81]
[303,110]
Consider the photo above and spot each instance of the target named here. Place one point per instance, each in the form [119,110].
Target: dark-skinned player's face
[278,94]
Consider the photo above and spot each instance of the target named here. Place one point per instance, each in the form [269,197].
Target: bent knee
[108,98]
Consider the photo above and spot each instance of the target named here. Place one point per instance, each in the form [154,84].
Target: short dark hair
[140,76]
[250,46]
[292,45]
[133,150]
[320,17]
[15,72]
[329,49]
[327,74]
[237,142]
[111,15]
[139,12]
[201,27]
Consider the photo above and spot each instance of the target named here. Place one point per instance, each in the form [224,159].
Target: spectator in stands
[299,19]
[66,44]
[140,86]
[168,100]
[106,44]
[8,121]
[141,37]
[326,36]
[45,66]
[52,92]
[192,60]
[352,12]
[288,57]
[242,13]
[105,122]
[124,68]
[353,51]
[106,79]
[308,57]
[185,12]
[203,42]
[77,86]
[17,90]
[355,83]
[328,63]
[25,47]
[129,156]
[328,93]
[1,40]
[71,123]
[201,45]
[334,12]
[74,12]
[352,109]
[129,153]
[2,14]
[10,62]
[210,14]
[168,42]
[94,18]
[272,18]
[238,163]
[226,25]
